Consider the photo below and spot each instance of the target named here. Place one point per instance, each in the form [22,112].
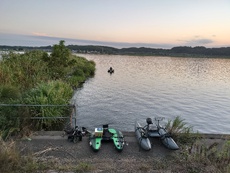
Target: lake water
[196,89]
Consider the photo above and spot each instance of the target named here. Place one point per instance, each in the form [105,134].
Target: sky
[118,23]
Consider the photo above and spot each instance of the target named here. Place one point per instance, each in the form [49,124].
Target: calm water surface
[196,89]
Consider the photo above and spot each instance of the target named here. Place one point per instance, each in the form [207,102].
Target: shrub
[38,78]
[23,70]
[8,92]
[51,93]
[181,131]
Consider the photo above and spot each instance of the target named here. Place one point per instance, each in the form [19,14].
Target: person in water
[111,70]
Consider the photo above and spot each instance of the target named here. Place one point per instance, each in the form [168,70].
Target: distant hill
[184,51]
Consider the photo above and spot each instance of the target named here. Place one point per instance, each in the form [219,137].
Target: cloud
[72,41]
[40,34]
[200,41]
[197,41]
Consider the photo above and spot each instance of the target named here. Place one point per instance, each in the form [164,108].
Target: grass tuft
[180,131]
[83,167]
[12,161]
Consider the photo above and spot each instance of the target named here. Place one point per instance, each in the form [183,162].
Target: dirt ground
[54,148]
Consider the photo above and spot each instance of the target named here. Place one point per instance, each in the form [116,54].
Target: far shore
[179,51]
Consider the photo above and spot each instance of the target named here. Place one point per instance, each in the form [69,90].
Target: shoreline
[40,134]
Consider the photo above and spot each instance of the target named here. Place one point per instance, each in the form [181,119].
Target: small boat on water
[111,70]
[106,134]
[150,131]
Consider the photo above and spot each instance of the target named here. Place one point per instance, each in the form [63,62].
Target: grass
[197,158]
[48,93]
[195,155]
[83,167]
[214,156]
[181,131]
[11,160]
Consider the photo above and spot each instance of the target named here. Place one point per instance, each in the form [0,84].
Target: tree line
[199,51]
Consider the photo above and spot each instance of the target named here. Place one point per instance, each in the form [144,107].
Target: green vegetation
[54,92]
[37,78]
[181,132]
[195,156]
[180,51]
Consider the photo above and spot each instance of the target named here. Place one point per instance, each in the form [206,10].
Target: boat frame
[106,134]
[150,131]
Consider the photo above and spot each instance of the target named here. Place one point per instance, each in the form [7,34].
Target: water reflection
[194,88]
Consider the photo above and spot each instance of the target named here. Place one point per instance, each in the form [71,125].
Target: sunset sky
[154,23]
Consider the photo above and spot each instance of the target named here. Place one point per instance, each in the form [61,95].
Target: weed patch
[83,167]
[12,161]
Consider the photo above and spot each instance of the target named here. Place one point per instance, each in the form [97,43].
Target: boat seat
[152,128]
[107,135]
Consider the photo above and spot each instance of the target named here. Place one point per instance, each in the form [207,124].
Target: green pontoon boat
[106,134]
